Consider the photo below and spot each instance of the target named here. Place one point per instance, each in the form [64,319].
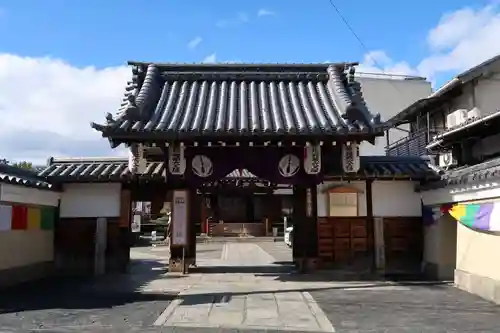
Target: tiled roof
[17,176]
[169,102]
[116,170]
[465,175]
[392,167]
[103,169]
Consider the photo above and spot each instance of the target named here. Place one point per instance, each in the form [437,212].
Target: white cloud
[46,106]
[210,58]
[460,40]
[265,12]
[195,42]
[241,18]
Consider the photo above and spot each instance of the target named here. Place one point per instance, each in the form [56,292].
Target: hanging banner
[176,160]
[481,216]
[180,218]
[312,159]
[350,158]
[136,159]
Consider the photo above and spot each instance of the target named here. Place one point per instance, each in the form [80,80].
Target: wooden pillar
[299,227]
[195,214]
[370,228]
[203,218]
[305,233]
[124,224]
[157,203]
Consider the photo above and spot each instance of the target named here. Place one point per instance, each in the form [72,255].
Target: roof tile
[247,100]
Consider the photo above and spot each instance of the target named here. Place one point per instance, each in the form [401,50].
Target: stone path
[242,304]
[239,287]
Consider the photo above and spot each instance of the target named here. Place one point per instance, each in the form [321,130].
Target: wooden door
[403,237]
[345,242]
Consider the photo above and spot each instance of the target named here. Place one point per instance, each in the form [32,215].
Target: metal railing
[412,145]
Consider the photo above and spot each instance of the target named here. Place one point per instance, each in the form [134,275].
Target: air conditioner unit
[456,118]
[475,113]
[447,160]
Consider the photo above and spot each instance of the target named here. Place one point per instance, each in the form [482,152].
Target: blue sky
[64,61]
[108,33]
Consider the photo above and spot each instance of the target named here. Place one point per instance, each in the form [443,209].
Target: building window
[342,203]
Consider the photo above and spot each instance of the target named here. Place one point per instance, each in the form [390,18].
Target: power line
[360,41]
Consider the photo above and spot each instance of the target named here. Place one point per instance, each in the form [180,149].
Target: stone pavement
[239,287]
[242,300]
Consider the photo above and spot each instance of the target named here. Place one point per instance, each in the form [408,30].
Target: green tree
[24,165]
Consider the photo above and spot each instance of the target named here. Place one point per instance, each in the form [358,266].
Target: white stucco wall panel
[389,96]
[475,251]
[27,195]
[90,200]
[323,196]
[395,198]
[486,97]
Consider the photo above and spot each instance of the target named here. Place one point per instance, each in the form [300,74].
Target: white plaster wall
[476,252]
[20,248]
[440,246]
[389,96]
[27,195]
[323,197]
[487,98]
[90,200]
[395,198]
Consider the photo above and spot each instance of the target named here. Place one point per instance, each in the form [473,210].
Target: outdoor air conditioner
[456,118]
[475,113]
[446,160]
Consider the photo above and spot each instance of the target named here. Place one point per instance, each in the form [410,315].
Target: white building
[388,95]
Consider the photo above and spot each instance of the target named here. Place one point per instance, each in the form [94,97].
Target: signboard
[180,218]
[350,158]
[176,160]
[312,159]
[136,224]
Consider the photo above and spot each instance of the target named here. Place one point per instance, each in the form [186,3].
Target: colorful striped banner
[18,217]
[482,216]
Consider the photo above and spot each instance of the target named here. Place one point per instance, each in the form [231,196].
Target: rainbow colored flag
[482,216]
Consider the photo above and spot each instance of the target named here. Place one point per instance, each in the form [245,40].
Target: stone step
[233,239]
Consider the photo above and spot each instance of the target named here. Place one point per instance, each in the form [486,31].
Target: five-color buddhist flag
[19,217]
[48,216]
[482,216]
[34,218]
[5,217]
